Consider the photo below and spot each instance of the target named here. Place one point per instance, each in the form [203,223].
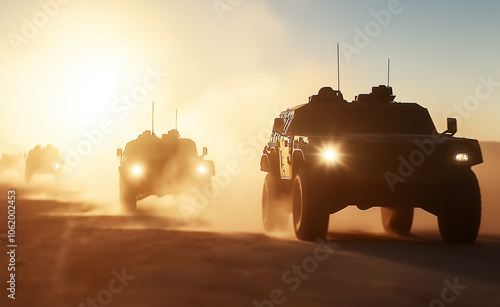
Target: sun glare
[91,91]
[78,92]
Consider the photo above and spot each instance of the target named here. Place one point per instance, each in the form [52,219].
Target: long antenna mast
[153,119]
[388,70]
[338,68]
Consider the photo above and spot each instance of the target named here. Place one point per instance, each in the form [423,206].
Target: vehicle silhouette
[12,162]
[328,154]
[43,160]
[169,165]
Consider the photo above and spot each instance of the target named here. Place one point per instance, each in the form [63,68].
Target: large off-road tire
[397,220]
[310,211]
[275,204]
[460,217]
[128,198]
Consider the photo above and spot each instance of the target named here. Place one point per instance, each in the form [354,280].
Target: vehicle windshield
[363,122]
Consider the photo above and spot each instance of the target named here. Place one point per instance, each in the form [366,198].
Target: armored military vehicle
[328,154]
[12,163]
[169,165]
[43,160]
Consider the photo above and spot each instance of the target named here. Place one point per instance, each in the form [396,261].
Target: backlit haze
[82,74]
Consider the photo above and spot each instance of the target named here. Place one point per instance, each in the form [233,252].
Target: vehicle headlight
[330,155]
[57,166]
[202,169]
[462,157]
[137,170]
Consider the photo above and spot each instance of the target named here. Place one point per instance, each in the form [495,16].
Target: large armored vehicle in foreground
[328,154]
[169,165]
[43,160]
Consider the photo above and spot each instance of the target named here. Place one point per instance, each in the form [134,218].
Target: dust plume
[227,79]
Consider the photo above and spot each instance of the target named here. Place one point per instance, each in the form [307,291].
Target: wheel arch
[298,160]
[265,164]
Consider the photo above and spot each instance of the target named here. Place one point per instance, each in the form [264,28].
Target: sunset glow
[180,153]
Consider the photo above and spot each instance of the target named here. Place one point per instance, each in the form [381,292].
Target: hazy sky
[68,68]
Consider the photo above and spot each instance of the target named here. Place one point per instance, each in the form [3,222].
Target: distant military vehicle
[169,165]
[328,154]
[43,160]
[10,162]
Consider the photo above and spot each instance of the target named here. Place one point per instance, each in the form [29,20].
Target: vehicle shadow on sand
[426,250]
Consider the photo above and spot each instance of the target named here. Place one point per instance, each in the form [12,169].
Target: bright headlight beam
[462,157]
[330,155]
[202,169]
[136,170]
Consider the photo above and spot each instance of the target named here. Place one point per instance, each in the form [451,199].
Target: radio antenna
[338,68]
[388,70]
[153,118]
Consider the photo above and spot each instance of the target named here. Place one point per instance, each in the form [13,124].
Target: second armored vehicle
[43,160]
[328,154]
[169,165]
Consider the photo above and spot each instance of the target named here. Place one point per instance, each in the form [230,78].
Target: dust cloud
[234,207]
[228,80]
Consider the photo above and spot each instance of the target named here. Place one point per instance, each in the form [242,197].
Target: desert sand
[77,252]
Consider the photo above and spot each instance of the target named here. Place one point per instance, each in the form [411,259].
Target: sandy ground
[67,254]
[77,251]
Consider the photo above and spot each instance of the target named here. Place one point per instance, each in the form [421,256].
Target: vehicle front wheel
[397,220]
[310,214]
[275,205]
[460,217]
[128,198]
